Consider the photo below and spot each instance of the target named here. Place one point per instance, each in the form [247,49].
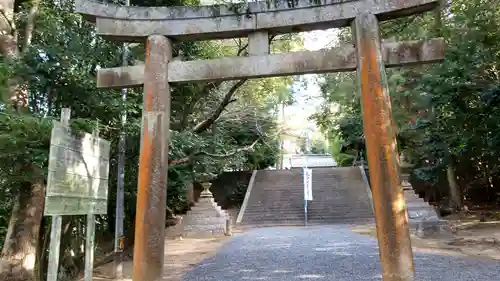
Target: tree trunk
[43,247]
[19,254]
[190,194]
[20,250]
[10,229]
[455,197]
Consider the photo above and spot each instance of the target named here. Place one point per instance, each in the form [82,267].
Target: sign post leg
[153,163]
[305,212]
[56,226]
[89,247]
[393,236]
[55,245]
[90,229]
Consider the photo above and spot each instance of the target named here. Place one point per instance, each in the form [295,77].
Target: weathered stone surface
[258,43]
[106,10]
[153,163]
[205,218]
[120,76]
[215,221]
[296,63]
[388,199]
[233,20]
[409,53]
[204,227]
[425,228]
[340,195]
[423,219]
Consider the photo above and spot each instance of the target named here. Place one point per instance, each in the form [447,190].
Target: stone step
[311,221]
[277,216]
[419,205]
[275,211]
[204,208]
[208,211]
[200,217]
[273,222]
[204,228]
[278,196]
[301,215]
[348,200]
[283,212]
[411,195]
[342,216]
[413,198]
[422,214]
[207,222]
[339,219]
[417,208]
[247,220]
[342,204]
[272,199]
[276,203]
[328,209]
[297,205]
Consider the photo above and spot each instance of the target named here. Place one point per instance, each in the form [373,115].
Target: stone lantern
[206,193]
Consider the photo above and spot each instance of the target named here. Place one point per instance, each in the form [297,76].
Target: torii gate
[159,26]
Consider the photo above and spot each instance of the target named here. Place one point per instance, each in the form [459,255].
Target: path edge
[247,197]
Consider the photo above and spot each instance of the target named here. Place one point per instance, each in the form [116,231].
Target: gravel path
[332,253]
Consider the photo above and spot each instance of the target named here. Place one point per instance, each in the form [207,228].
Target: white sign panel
[77,182]
[308,184]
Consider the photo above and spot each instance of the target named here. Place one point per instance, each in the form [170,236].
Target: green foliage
[340,116]
[318,146]
[336,147]
[58,70]
[446,113]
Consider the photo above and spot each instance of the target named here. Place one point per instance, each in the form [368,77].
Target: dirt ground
[181,256]
[468,237]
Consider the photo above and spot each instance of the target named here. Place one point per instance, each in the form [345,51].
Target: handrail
[247,197]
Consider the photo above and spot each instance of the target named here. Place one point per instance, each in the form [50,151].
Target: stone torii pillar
[393,234]
[149,246]
[256,20]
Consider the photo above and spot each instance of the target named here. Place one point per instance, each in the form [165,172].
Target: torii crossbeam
[159,26]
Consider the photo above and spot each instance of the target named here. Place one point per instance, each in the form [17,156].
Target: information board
[77,182]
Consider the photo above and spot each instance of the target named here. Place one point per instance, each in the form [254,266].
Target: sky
[308,98]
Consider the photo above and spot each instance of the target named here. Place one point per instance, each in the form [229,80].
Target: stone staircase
[423,219]
[417,208]
[276,198]
[340,195]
